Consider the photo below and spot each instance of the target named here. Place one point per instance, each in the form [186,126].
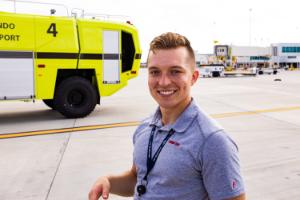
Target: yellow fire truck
[67,62]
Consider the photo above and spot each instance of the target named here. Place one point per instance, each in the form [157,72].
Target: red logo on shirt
[233,184]
[174,142]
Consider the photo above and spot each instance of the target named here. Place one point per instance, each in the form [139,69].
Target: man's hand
[122,185]
[100,188]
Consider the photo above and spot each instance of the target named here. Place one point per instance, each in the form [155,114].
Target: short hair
[171,40]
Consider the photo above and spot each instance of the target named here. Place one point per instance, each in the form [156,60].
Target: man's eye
[175,72]
[153,73]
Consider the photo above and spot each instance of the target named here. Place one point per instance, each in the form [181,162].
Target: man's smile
[166,92]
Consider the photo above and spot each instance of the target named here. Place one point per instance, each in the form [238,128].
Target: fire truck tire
[49,103]
[75,97]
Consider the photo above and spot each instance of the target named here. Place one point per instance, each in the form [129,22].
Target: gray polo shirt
[199,161]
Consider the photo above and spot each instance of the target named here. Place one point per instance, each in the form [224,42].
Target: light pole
[250,10]
[15,7]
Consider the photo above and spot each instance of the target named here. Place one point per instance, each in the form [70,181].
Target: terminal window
[291,49]
[259,58]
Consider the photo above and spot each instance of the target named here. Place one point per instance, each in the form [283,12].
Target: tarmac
[47,157]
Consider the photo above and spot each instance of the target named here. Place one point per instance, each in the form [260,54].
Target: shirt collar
[182,122]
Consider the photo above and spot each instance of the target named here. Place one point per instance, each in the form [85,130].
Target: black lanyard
[151,161]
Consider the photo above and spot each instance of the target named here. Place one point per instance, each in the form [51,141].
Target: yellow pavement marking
[135,123]
[254,112]
[66,130]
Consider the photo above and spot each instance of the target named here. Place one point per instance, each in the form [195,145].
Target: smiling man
[179,151]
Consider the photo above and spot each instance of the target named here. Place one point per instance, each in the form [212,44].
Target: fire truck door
[16,75]
[111,57]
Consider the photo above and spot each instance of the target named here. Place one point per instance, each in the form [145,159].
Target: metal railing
[75,12]
[81,13]
[106,16]
[52,11]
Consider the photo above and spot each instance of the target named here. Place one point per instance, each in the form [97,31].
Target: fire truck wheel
[49,103]
[75,97]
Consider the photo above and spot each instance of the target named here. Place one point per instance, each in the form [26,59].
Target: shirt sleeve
[137,132]
[220,167]
[144,124]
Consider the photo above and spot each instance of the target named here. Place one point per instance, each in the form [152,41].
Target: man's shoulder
[145,123]
[206,123]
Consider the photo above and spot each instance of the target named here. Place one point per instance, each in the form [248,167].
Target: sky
[232,22]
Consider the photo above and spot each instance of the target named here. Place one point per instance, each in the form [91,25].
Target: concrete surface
[64,166]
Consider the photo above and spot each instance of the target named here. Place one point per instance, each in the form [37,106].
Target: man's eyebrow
[173,67]
[152,67]
[177,67]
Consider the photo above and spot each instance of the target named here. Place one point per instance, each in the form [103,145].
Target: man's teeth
[166,92]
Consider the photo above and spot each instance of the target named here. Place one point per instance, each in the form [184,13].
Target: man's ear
[195,76]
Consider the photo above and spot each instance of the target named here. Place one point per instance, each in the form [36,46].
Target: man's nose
[164,80]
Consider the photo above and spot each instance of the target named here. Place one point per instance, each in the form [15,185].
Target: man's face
[170,77]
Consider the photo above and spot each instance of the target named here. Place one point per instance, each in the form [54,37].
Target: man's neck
[169,116]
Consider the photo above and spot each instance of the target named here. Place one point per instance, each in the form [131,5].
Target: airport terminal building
[250,56]
[283,55]
[286,54]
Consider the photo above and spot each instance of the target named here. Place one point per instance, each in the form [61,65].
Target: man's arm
[121,185]
[221,169]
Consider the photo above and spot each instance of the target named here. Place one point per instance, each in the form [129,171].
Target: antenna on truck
[52,11]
